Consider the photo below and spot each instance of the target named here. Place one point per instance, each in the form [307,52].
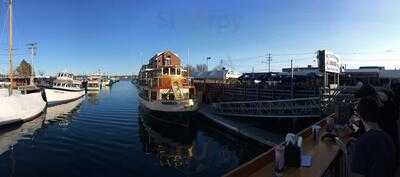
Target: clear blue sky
[84,35]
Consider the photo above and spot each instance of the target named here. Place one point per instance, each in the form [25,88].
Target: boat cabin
[66,80]
[65,76]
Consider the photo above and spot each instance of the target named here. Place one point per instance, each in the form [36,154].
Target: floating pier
[247,130]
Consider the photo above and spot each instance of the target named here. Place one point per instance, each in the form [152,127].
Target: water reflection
[106,90]
[9,136]
[171,144]
[93,97]
[62,113]
[183,148]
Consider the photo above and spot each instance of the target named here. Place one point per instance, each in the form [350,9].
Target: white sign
[328,62]
[332,63]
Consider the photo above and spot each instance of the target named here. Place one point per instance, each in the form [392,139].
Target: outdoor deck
[327,159]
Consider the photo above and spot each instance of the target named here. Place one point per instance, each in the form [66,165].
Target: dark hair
[365,90]
[396,88]
[368,109]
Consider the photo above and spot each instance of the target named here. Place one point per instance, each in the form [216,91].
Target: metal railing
[299,107]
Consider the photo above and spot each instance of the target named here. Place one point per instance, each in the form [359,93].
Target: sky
[118,36]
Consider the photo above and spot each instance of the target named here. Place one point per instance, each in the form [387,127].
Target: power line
[268,60]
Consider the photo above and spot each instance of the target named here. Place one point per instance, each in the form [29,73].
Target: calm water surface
[107,134]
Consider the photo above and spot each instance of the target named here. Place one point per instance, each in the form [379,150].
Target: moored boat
[14,105]
[165,86]
[59,113]
[21,107]
[64,89]
[94,83]
[106,82]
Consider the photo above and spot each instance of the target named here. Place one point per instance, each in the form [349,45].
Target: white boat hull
[158,106]
[17,107]
[105,83]
[93,88]
[57,96]
[10,138]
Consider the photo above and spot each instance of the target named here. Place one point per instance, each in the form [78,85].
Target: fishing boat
[17,106]
[94,82]
[64,89]
[106,82]
[165,87]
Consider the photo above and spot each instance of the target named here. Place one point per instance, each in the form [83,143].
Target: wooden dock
[247,130]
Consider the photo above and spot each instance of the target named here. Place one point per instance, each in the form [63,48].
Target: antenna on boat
[10,49]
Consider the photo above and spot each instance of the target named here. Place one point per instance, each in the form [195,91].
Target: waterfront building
[374,75]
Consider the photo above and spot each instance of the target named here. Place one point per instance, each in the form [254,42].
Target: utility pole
[33,48]
[10,49]
[269,62]
[291,81]
[269,59]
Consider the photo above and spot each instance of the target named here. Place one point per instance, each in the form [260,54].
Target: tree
[190,69]
[201,68]
[24,69]
[41,73]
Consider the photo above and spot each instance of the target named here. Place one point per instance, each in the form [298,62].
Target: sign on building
[328,62]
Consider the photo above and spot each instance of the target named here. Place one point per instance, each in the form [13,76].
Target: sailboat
[16,106]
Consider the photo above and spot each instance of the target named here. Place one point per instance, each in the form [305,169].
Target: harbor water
[108,134]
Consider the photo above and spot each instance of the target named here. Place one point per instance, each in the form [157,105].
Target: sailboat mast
[10,49]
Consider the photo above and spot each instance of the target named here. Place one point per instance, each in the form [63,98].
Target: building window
[164,96]
[167,61]
[153,96]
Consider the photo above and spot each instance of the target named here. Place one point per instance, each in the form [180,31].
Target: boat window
[168,61]
[165,71]
[178,71]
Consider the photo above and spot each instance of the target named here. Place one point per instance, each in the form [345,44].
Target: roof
[220,75]
[380,72]
[389,74]
[167,51]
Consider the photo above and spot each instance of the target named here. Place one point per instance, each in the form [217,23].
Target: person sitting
[374,151]
[388,113]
